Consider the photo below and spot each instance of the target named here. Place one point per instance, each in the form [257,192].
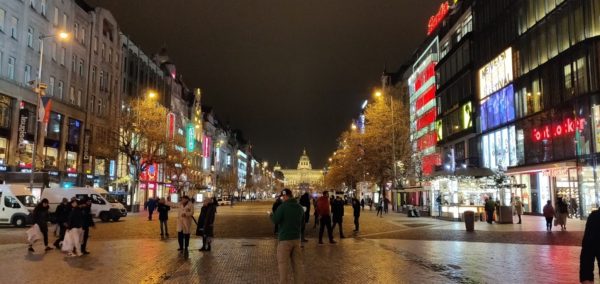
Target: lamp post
[39,93]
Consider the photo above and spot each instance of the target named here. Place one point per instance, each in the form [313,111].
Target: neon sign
[191,137]
[568,126]
[435,20]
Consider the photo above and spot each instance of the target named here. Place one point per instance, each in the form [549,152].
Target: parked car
[223,201]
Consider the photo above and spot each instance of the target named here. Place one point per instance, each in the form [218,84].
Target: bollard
[469,217]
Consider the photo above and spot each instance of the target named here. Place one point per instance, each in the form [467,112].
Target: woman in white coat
[184,223]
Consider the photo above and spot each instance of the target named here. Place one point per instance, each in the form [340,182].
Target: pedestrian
[289,216]
[273,209]
[338,214]
[356,206]
[40,218]
[379,210]
[184,223]
[150,206]
[590,248]
[324,211]
[62,218]
[362,204]
[208,226]
[562,212]
[438,200]
[305,202]
[518,208]
[549,214]
[88,221]
[201,221]
[489,210]
[316,214]
[163,216]
[386,204]
[74,234]
[574,207]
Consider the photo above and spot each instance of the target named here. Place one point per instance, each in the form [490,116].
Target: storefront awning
[541,167]
[465,172]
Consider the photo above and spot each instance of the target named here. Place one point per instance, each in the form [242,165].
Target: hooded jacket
[289,216]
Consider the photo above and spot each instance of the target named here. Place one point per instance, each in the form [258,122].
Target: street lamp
[39,92]
[353,126]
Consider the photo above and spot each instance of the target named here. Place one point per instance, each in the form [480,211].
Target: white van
[16,204]
[103,205]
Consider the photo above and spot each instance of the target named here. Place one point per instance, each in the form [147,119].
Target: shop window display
[5,111]
[50,158]
[71,161]
[54,126]
[74,131]
[498,108]
[500,148]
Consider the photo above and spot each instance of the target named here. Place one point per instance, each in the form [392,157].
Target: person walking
[40,218]
[163,216]
[305,202]
[489,210]
[356,206]
[562,212]
[379,210]
[549,214]
[362,204]
[518,208]
[88,221]
[324,212]
[590,248]
[338,214]
[150,206]
[289,216]
[184,223]
[201,221]
[386,204]
[62,218]
[276,205]
[75,224]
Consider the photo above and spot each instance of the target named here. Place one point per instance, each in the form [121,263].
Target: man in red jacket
[324,212]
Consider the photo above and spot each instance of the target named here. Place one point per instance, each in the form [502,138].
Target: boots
[186,241]
[203,244]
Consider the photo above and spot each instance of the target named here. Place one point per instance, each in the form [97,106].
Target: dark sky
[290,74]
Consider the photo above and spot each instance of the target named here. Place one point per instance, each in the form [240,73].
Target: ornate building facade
[303,177]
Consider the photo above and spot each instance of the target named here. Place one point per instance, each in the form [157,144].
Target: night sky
[289,74]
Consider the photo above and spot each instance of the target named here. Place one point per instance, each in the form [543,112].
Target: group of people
[561,212]
[290,217]
[73,219]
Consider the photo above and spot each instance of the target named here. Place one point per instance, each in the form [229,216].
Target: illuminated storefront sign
[435,20]
[190,137]
[467,112]
[496,74]
[206,147]
[171,126]
[568,126]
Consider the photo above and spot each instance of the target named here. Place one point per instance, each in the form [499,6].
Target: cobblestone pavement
[253,261]
[392,249]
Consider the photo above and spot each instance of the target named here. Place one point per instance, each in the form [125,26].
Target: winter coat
[209,222]
[323,208]
[337,210]
[163,211]
[75,218]
[490,205]
[590,247]
[184,219]
[305,201]
[151,204]
[289,216]
[562,207]
[202,216]
[519,207]
[40,216]
[276,205]
[62,213]
[548,211]
[356,206]
[88,220]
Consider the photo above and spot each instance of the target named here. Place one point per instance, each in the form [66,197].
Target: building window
[54,126]
[102,48]
[76,31]
[55,18]
[30,37]
[64,21]
[78,98]
[2,17]
[63,56]
[99,112]
[14,22]
[60,88]
[81,67]
[72,95]
[73,63]
[92,101]
[93,75]
[11,68]
[50,89]
[71,161]
[82,35]
[109,55]
[3,151]
[5,111]
[43,7]
[27,74]
[95,44]
[50,158]
[53,51]
[74,131]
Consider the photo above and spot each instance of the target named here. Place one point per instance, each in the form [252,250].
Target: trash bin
[469,217]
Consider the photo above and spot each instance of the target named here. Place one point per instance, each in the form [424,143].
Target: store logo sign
[496,74]
[23,121]
[568,126]
[435,20]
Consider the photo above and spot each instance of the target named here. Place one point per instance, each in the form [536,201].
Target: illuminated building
[303,175]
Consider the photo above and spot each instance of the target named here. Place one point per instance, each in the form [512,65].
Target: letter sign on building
[190,137]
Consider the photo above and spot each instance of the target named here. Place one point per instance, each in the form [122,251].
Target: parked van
[16,204]
[103,205]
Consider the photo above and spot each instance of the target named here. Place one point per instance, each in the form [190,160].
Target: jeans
[549,223]
[356,225]
[289,251]
[150,212]
[338,222]
[163,224]
[489,216]
[325,222]
[183,240]
[44,230]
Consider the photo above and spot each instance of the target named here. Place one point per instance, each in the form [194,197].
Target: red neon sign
[568,126]
[170,126]
[436,19]
[425,75]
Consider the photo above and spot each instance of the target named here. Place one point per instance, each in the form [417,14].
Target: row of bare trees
[368,154]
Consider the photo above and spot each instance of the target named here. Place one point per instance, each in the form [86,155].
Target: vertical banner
[190,137]
[171,126]
[22,130]
[87,136]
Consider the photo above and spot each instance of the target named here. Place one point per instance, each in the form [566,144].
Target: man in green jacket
[289,217]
